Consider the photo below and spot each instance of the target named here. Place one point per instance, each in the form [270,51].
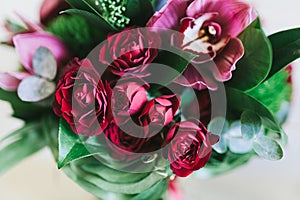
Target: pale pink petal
[10,81]
[27,44]
[227,59]
[169,16]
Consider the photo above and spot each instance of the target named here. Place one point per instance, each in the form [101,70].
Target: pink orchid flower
[26,45]
[210,29]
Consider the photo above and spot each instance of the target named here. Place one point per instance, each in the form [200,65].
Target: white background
[38,178]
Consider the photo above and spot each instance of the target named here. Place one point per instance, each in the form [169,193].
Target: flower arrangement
[129,94]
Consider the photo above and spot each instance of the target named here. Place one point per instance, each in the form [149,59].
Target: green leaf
[286,48]
[14,27]
[110,174]
[277,102]
[267,148]
[20,145]
[139,12]
[70,146]
[24,110]
[78,33]
[98,21]
[153,193]
[168,66]
[83,177]
[250,124]
[256,63]
[238,102]
[50,126]
[124,188]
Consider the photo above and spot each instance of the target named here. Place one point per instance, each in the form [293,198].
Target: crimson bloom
[128,98]
[130,51]
[189,147]
[209,29]
[82,99]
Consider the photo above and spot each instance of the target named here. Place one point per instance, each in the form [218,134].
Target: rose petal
[227,59]
[168,17]
[27,44]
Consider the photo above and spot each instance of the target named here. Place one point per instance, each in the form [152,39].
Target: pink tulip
[26,45]
[209,29]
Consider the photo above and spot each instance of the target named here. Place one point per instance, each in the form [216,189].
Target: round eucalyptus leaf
[250,124]
[239,145]
[34,89]
[267,148]
[44,63]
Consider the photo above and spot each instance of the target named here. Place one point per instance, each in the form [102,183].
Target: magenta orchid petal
[169,16]
[10,81]
[27,44]
[193,77]
[227,59]
[233,22]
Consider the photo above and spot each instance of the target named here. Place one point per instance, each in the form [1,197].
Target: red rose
[127,99]
[50,9]
[158,113]
[189,147]
[82,99]
[130,51]
[123,146]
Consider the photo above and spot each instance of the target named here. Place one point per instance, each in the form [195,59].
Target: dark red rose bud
[82,99]
[50,9]
[189,147]
[130,51]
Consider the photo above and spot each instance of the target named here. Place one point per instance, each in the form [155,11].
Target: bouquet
[130,94]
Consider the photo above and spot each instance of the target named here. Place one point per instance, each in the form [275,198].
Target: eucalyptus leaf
[34,89]
[239,145]
[267,148]
[286,48]
[44,63]
[250,124]
[256,63]
[20,145]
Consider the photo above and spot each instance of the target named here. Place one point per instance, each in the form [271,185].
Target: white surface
[38,178]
